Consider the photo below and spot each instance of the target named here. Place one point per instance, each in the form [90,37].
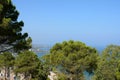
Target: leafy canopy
[109,64]
[11,36]
[72,58]
[28,64]
[6,59]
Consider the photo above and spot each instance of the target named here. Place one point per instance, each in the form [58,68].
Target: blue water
[40,54]
[88,76]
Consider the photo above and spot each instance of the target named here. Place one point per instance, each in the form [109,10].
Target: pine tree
[11,37]
[108,64]
[72,58]
[28,63]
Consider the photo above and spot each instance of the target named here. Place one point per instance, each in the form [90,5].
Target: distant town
[40,48]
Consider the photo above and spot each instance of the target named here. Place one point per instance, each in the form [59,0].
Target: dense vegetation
[11,36]
[14,46]
[69,59]
[72,58]
[108,64]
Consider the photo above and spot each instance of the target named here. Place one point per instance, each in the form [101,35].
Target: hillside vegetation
[68,60]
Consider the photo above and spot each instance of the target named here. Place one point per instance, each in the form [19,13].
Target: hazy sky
[94,22]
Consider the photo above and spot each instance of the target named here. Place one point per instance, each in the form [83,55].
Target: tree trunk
[8,73]
[5,73]
[26,76]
